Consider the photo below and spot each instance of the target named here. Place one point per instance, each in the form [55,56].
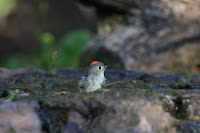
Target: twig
[115,83]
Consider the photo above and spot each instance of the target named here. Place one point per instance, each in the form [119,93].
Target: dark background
[152,36]
[33,29]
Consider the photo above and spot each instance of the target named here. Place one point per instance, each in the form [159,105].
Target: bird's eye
[100,67]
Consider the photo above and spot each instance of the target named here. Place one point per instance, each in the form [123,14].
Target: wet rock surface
[140,102]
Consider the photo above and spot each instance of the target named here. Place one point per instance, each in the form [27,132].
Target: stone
[8,73]
[132,115]
[131,101]
[18,118]
[101,113]
[71,128]
[158,36]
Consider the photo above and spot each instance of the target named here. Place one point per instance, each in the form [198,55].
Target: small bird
[94,78]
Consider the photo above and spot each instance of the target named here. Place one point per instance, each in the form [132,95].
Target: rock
[147,55]
[71,128]
[20,93]
[189,126]
[132,115]
[189,9]
[7,73]
[193,107]
[18,118]
[131,101]
[157,37]
[102,113]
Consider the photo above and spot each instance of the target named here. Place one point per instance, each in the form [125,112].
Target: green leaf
[13,96]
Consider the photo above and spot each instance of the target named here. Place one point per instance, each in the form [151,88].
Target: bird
[94,79]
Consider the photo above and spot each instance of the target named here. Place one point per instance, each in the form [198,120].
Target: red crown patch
[94,62]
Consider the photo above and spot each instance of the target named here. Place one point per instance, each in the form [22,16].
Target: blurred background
[150,36]
[32,32]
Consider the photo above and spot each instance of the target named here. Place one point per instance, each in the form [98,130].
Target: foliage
[13,62]
[66,54]
[44,59]
[5,6]
[71,46]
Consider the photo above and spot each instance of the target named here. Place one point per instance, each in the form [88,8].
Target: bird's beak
[106,66]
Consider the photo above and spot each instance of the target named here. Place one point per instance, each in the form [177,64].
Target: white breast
[98,81]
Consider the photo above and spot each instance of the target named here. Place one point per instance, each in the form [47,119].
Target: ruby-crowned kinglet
[94,78]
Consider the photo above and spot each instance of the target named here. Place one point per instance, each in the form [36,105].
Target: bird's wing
[104,82]
[84,83]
